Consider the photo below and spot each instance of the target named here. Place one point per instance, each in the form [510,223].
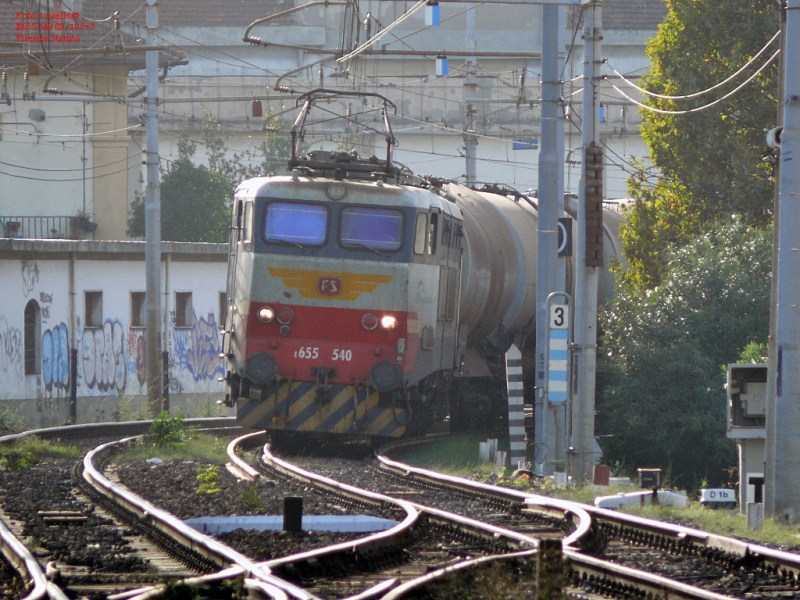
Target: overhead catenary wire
[69,135]
[701,92]
[705,106]
[377,37]
[61,179]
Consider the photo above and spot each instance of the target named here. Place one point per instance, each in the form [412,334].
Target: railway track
[143,548]
[425,539]
[499,534]
[688,557]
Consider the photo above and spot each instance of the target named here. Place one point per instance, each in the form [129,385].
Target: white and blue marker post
[557,378]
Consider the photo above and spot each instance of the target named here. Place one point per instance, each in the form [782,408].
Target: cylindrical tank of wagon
[500,261]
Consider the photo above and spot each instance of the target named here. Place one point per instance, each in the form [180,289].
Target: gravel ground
[47,486]
[173,486]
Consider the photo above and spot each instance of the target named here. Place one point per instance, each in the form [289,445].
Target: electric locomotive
[366,301]
[335,288]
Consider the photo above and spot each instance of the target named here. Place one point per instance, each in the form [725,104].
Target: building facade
[72,334]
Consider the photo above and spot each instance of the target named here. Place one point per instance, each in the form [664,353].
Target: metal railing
[46,228]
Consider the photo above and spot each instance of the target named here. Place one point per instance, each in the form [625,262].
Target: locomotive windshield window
[374,228]
[420,233]
[294,223]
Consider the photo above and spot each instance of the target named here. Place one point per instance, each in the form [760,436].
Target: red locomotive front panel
[337,345]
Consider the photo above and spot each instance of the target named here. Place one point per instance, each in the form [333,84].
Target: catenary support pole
[152,220]
[470,87]
[587,276]
[550,201]
[786,471]
[772,361]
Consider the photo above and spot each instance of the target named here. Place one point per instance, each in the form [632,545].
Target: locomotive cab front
[343,296]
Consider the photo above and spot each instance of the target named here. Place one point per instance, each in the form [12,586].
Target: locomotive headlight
[388,322]
[369,321]
[266,314]
[285,315]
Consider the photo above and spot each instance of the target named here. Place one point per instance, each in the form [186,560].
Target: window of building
[93,309]
[373,228]
[138,314]
[223,309]
[33,336]
[296,224]
[183,309]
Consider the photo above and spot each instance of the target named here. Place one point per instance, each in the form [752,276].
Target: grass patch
[721,522]
[47,449]
[201,447]
[456,455]
[32,450]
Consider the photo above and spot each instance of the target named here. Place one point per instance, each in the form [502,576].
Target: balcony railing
[47,228]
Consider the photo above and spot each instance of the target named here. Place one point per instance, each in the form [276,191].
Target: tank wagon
[363,300]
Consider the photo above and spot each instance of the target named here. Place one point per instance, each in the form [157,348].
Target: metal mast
[152,221]
[587,268]
[470,85]
[549,428]
[785,472]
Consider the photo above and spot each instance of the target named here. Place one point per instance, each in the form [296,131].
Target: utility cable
[705,106]
[377,37]
[694,95]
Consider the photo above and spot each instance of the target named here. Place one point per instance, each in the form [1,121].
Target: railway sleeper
[386,510]
[191,558]
[748,562]
[605,586]
[493,502]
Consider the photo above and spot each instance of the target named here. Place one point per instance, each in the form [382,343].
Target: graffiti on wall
[55,358]
[11,349]
[103,357]
[197,349]
[137,354]
[45,300]
[30,275]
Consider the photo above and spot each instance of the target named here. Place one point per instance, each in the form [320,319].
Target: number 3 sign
[559,316]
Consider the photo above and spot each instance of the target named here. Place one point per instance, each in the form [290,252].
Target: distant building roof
[73,25]
[642,15]
[192,13]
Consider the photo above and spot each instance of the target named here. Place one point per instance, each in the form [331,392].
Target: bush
[169,432]
[662,402]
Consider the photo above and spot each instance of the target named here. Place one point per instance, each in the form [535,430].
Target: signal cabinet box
[747,416]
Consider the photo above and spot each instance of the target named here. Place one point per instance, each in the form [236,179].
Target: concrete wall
[44,174]
[110,358]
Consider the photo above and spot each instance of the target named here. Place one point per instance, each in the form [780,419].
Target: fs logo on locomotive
[329,285]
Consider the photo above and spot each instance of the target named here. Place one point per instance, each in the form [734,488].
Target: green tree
[710,163]
[195,202]
[195,199]
[268,158]
[662,402]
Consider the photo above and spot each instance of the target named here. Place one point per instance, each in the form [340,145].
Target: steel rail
[206,546]
[658,586]
[29,570]
[551,507]
[123,428]
[14,550]
[369,543]
[528,544]
[787,562]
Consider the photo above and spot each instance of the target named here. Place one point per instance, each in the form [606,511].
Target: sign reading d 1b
[565,236]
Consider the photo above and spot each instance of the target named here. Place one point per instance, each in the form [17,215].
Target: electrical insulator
[593,208]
